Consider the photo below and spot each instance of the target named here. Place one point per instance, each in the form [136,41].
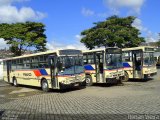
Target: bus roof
[144,48]
[58,52]
[96,50]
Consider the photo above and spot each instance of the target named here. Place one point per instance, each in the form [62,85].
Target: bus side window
[4,66]
[14,66]
[91,58]
[127,57]
[85,59]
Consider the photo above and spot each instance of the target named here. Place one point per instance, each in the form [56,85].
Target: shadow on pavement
[107,85]
[68,90]
[141,80]
[52,90]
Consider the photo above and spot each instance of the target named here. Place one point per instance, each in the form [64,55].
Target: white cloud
[55,46]
[133,5]
[9,2]
[138,24]
[3,44]
[87,12]
[11,14]
[150,36]
[78,37]
[76,45]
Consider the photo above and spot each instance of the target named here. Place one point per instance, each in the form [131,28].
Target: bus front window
[65,65]
[148,58]
[113,61]
[79,65]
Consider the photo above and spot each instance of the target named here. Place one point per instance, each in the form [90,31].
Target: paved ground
[133,100]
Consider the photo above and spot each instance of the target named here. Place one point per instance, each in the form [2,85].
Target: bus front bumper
[72,85]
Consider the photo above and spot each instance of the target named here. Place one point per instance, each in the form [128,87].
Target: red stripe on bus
[37,73]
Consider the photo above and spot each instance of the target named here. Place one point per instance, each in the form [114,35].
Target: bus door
[53,70]
[137,56]
[8,63]
[99,66]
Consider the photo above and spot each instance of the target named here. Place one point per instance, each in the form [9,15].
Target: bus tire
[126,77]
[15,82]
[88,80]
[44,85]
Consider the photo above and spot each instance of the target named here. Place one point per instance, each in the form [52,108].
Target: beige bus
[138,62]
[103,65]
[59,69]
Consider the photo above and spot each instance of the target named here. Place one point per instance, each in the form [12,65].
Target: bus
[139,62]
[103,65]
[59,69]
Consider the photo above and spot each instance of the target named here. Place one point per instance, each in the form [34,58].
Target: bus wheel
[88,80]
[15,82]
[44,85]
[126,77]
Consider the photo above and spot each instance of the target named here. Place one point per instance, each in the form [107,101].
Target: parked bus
[103,66]
[139,62]
[59,69]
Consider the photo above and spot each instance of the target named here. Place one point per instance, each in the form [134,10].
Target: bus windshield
[113,61]
[148,58]
[70,65]
[79,68]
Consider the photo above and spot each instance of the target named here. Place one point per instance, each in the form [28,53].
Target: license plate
[76,84]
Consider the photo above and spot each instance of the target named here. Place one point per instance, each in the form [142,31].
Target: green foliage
[21,36]
[112,32]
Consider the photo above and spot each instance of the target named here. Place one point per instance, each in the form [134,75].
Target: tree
[114,31]
[21,36]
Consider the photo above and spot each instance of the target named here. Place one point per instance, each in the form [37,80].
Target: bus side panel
[1,70]
[128,67]
[31,77]
[5,76]
[149,70]
[90,70]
